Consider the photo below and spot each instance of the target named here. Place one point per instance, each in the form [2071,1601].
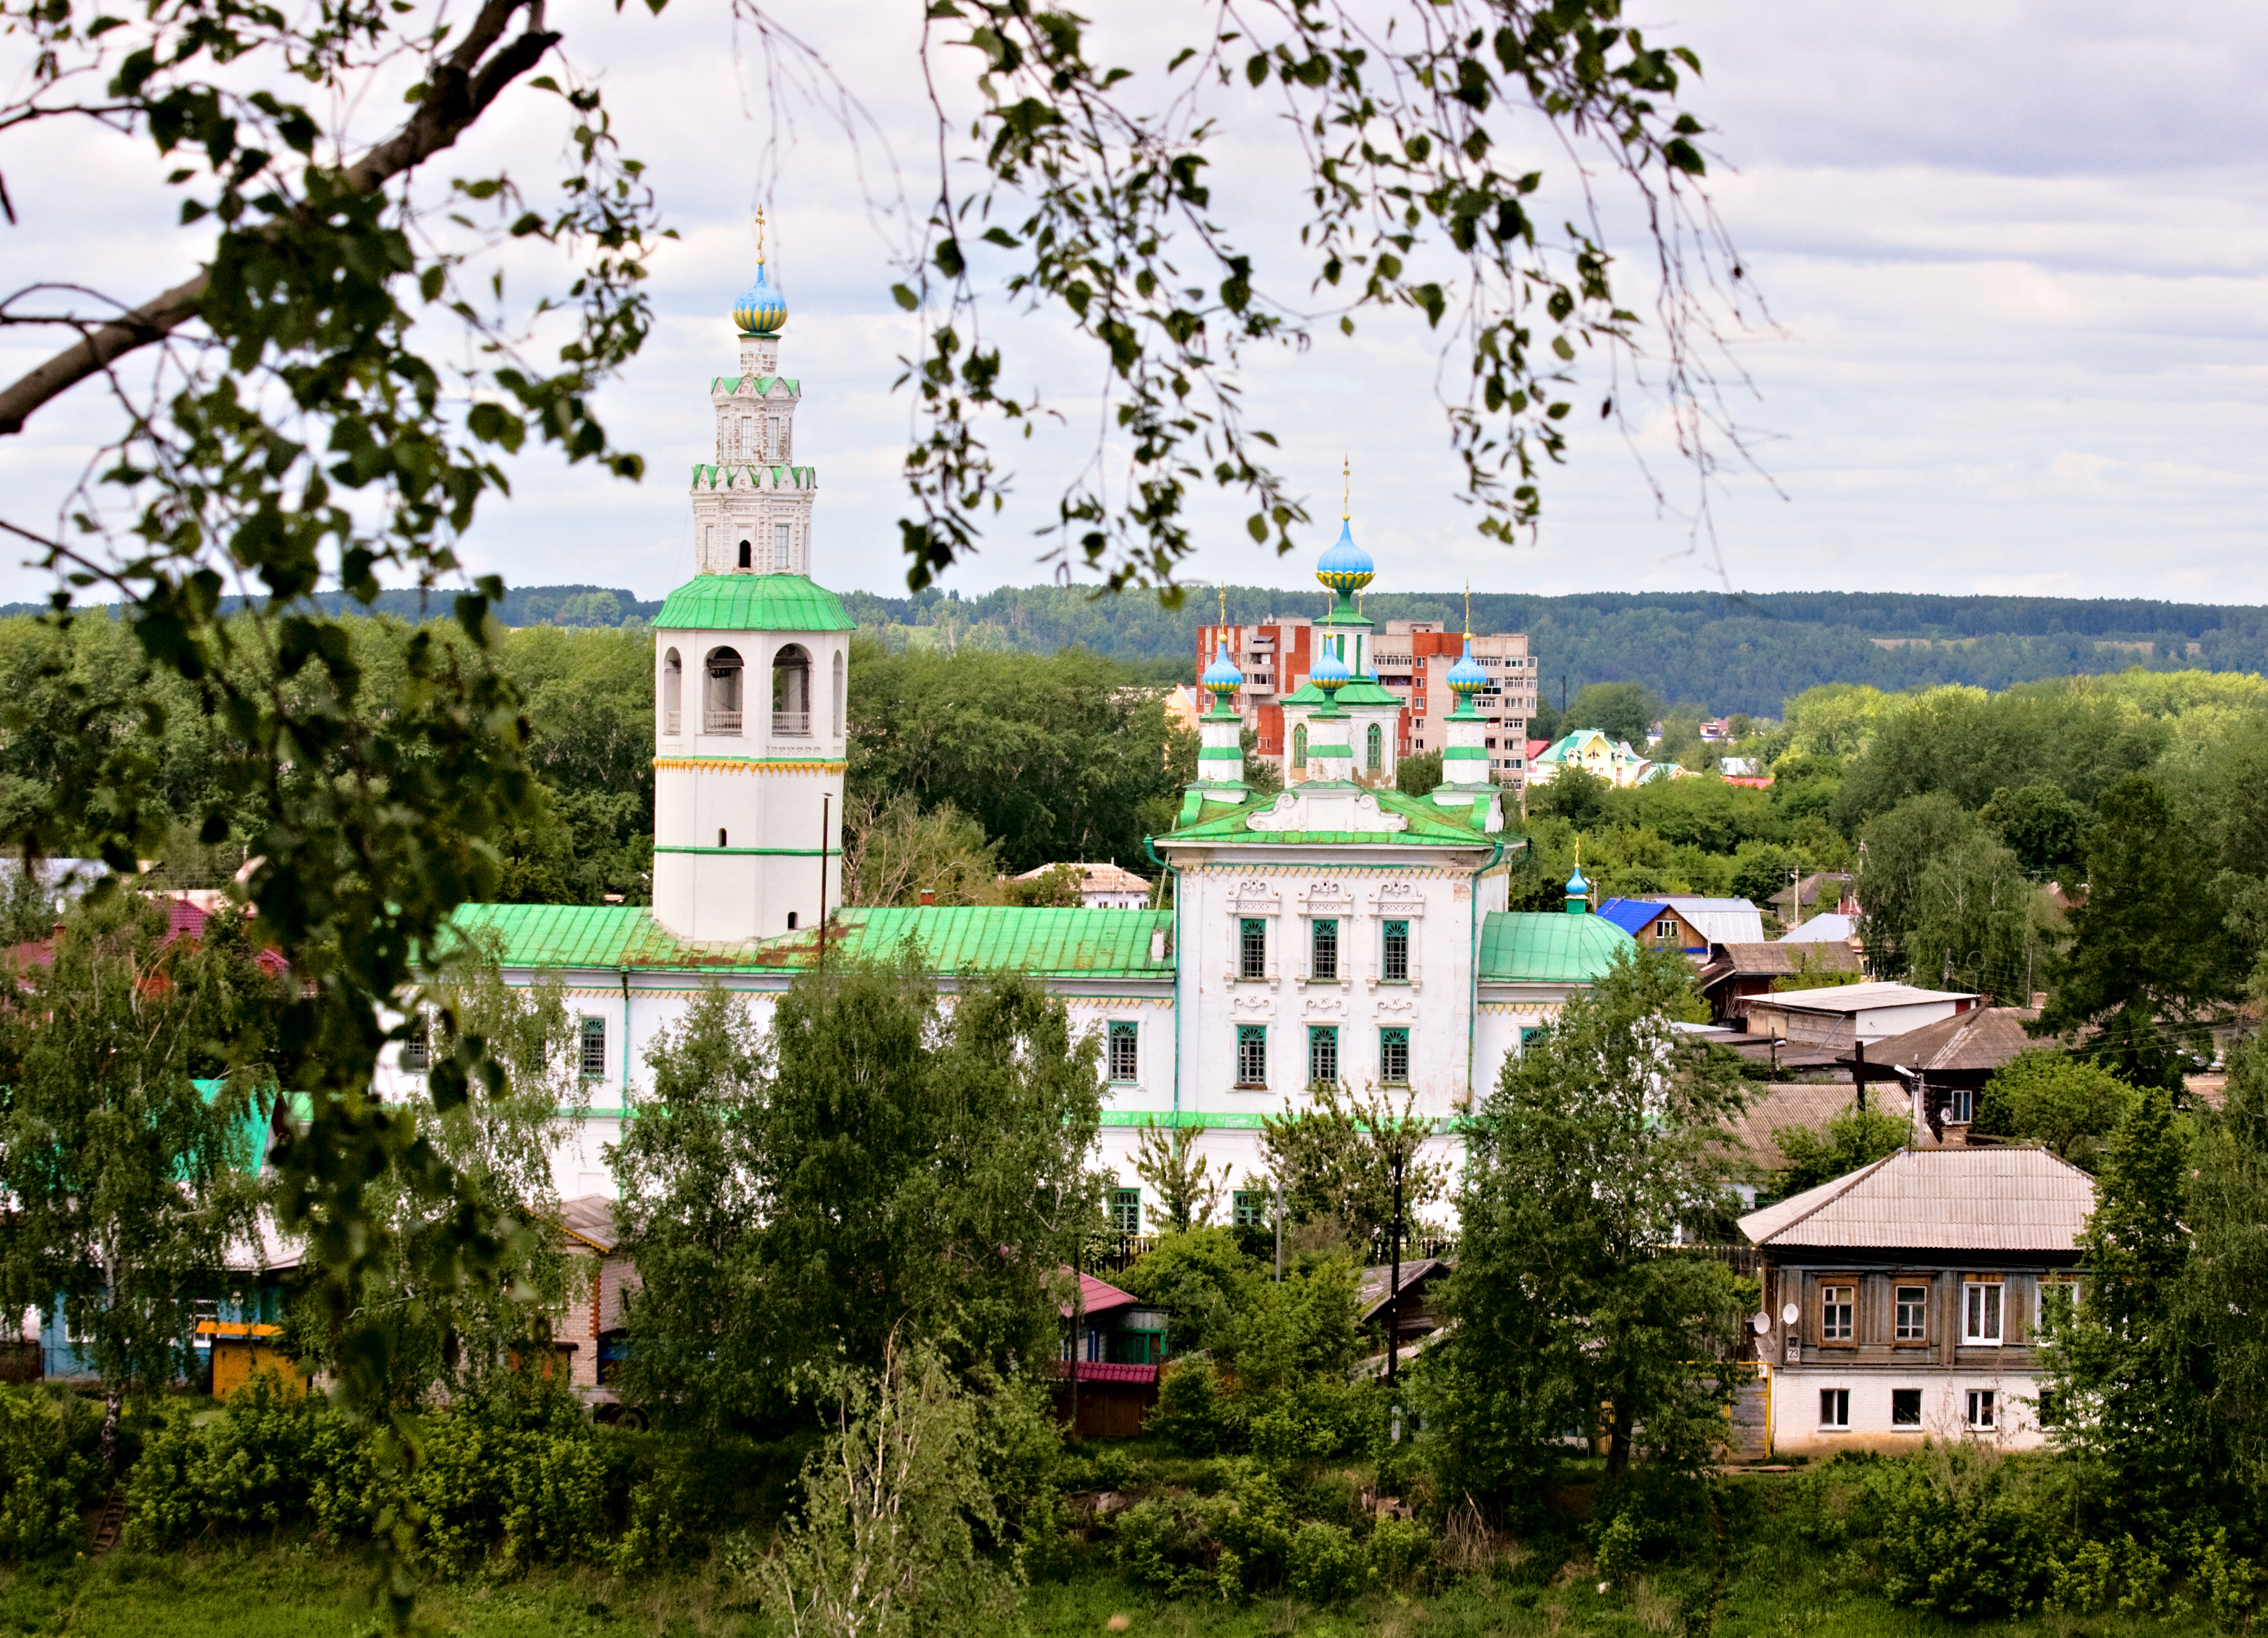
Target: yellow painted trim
[741,765]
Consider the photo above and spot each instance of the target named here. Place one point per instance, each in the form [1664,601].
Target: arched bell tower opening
[792,691]
[721,710]
[672,694]
[748,555]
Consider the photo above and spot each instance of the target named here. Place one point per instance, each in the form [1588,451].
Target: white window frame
[1977,1307]
[1962,1108]
[1916,1420]
[1835,1407]
[1982,1408]
[1898,1324]
[1839,1302]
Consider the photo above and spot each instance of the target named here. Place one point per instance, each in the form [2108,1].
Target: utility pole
[1794,896]
[1394,1293]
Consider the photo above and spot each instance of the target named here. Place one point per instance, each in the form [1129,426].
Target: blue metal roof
[1630,915]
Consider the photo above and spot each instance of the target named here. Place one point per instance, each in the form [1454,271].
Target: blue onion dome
[761,310]
[1466,675]
[1329,672]
[1577,887]
[1221,676]
[1346,568]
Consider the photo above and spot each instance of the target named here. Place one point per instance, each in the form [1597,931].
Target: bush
[1400,1550]
[1192,1413]
[1326,1566]
[47,1476]
[253,1467]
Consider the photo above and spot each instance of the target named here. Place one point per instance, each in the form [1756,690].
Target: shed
[1851,1014]
[242,1349]
[1106,1391]
[1735,974]
[590,1333]
[1415,1314]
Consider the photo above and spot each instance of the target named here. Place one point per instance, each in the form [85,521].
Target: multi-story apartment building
[1409,658]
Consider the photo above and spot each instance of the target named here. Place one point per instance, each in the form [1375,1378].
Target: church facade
[1338,931]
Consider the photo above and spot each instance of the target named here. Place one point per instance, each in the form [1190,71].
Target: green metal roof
[1430,825]
[1361,691]
[1055,943]
[762,383]
[1541,947]
[753,603]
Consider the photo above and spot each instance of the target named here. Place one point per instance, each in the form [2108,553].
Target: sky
[2015,257]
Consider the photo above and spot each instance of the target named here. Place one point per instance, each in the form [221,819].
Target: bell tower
[751,660]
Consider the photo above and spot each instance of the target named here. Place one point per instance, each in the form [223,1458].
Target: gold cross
[759,233]
[1468,610]
[1346,494]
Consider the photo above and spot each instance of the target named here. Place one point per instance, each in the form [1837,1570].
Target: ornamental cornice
[752,764]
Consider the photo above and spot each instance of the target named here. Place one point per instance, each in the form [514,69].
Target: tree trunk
[106,1452]
[1619,1439]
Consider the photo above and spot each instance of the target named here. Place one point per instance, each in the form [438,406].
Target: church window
[594,1047]
[1124,1057]
[792,691]
[1394,968]
[1377,748]
[791,920]
[783,538]
[1324,944]
[721,710]
[772,444]
[1252,948]
[1393,1057]
[1300,745]
[672,692]
[417,1047]
[748,555]
[741,448]
[1126,1211]
[1252,1055]
[1322,1054]
[720,835]
[708,543]
[839,697]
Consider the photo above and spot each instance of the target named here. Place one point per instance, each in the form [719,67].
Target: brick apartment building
[1411,656]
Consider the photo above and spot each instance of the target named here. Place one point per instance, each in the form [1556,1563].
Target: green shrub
[253,1467]
[1171,1544]
[1192,1413]
[1400,1550]
[1620,1547]
[1326,1567]
[47,1475]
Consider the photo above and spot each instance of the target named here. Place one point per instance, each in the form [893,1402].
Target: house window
[1126,1211]
[1252,948]
[1322,1054]
[417,1048]
[2057,1300]
[1980,1309]
[1123,1059]
[1962,1109]
[1982,1411]
[1252,1055]
[1911,1319]
[1250,1209]
[1393,1057]
[1394,966]
[1377,748]
[1835,1303]
[1665,929]
[1905,1407]
[594,1047]
[1300,745]
[1834,1407]
[1324,945]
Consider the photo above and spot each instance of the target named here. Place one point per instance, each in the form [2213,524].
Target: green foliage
[1978,921]
[2147,955]
[250,1467]
[1053,757]
[2041,826]
[1417,774]
[1053,888]
[1621,710]
[1901,846]
[862,1173]
[1192,1413]
[2045,1095]
[1855,1138]
[1187,1192]
[1574,794]
[2225,1283]
[1325,1566]
[895,853]
[1589,1159]
[48,1475]
[1336,1159]
[1203,1279]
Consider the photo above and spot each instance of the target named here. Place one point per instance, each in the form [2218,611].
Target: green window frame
[1252,947]
[1322,1054]
[1394,955]
[1529,1034]
[1393,1057]
[593,1057]
[1300,745]
[1126,1211]
[1324,949]
[1125,1052]
[1377,748]
[1252,1055]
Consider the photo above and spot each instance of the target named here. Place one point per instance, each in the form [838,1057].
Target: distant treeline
[1727,652]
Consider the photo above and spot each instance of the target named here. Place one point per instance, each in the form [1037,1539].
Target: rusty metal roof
[590,1218]
[1937,1200]
[1979,1040]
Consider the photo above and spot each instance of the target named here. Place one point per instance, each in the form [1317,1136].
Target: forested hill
[1740,652]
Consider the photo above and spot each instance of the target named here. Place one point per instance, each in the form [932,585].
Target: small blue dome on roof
[1329,672]
[1466,675]
[761,310]
[1221,676]
[1577,887]
[1346,567]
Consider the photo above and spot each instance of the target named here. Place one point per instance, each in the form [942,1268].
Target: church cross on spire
[760,232]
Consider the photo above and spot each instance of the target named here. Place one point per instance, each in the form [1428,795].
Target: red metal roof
[1102,1370]
[1099,1297]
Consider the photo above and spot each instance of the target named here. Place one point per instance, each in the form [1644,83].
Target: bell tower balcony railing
[722,723]
[792,724]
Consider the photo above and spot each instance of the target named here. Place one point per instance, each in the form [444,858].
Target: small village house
[1902,1302]
[590,1333]
[1683,922]
[1943,1066]
[1852,1015]
[1735,974]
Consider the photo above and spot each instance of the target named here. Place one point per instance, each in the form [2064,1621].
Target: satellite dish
[1760,1322]
[1790,1313]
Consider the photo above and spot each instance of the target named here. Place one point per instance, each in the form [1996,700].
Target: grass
[1773,1586]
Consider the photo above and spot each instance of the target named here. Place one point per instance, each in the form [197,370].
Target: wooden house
[1902,1302]
[1109,1367]
[1735,974]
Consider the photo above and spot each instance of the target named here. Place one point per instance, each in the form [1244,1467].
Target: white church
[1337,932]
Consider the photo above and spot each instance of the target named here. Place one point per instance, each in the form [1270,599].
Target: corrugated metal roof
[1826,928]
[752,603]
[1722,920]
[1980,1039]
[1859,997]
[1940,1200]
[1546,947]
[1629,914]
[590,1217]
[1777,960]
[1097,1296]
[1050,943]
[1428,824]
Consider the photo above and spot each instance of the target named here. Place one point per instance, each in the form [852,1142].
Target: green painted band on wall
[1220,754]
[1459,753]
[765,853]
[1222,1122]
